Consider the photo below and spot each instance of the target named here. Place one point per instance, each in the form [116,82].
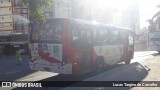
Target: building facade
[59,9]
[13,26]
[13,16]
[14,21]
[130,16]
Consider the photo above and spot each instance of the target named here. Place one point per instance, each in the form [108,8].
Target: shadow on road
[64,77]
[132,72]
[119,72]
[156,54]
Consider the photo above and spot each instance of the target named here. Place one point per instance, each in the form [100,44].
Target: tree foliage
[157,14]
[37,8]
[154,21]
[152,26]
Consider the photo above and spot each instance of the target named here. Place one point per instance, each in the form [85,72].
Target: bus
[73,46]
[154,40]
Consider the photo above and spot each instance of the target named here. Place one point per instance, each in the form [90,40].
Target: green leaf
[37,8]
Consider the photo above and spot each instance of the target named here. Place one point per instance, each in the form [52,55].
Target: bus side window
[36,32]
[88,33]
[97,36]
[114,36]
[75,36]
[102,36]
[130,40]
[85,38]
[120,37]
[106,39]
[109,36]
[57,34]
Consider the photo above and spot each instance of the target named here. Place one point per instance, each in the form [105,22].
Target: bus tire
[99,65]
[128,60]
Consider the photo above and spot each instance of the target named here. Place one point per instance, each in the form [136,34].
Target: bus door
[86,49]
[131,45]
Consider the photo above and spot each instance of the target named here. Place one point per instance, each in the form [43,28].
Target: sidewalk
[8,64]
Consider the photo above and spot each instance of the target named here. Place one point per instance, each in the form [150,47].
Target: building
[13,16]
[10,43]
[130,16]
[59,9]
[80,10]
[14,22]
[13,26]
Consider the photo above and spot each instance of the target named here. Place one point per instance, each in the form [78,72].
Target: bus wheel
[128,60]
[99,65]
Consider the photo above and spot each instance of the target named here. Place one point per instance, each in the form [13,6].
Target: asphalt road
[138,70]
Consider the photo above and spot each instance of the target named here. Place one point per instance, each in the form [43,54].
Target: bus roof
[90,23]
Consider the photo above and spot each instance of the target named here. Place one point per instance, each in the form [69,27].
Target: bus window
[105,36]
[114,36]
[101,36]
[36,32]
[57,33]
[75,36]
[120,37]
[88,36]
[48,32]
[130,40]
[95,34]
[98,36]
[85,36]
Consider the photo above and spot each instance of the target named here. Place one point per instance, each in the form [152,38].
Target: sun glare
[94,22]
[105,4]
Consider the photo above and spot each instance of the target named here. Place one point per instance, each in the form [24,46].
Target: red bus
[73,46]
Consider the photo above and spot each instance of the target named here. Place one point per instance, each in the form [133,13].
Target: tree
[157,15]
[155,21]
[37,8]
[151,26]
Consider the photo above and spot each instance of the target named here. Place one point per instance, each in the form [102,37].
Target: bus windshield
[51,31]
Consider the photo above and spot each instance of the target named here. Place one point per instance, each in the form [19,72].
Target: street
[144,67]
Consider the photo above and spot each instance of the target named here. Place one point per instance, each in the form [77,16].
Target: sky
[147,10]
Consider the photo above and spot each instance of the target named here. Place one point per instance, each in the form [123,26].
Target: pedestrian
[19,58]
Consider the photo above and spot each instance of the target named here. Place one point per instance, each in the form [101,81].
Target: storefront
[11,43]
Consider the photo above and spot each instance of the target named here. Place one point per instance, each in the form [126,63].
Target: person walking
[19,57]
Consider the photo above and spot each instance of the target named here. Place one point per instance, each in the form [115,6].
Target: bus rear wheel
[99,65]
[128,61]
